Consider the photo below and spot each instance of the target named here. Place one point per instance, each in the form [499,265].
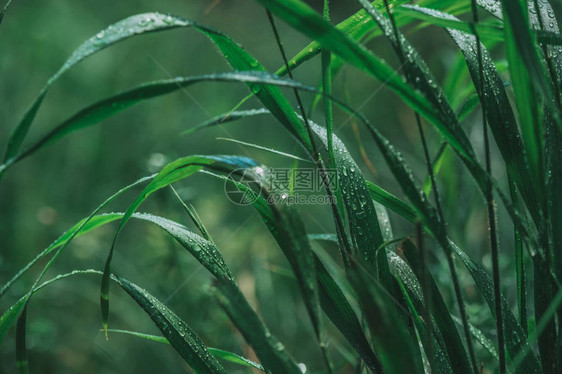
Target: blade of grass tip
[193,216]
[173,172]
[92,223]
[124,29]
[219,353]
[492,218]
[233,115]
[390,201]
[184,340]
[270,150]
[108,107]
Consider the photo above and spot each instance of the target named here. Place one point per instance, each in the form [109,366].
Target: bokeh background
[46,194]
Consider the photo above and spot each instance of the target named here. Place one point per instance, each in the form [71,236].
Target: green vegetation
[453,266]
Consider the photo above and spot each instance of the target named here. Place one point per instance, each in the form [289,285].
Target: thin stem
[290,73]
[339,221]
[490,201]
[320,167]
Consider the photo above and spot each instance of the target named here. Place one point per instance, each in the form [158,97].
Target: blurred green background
[49,192]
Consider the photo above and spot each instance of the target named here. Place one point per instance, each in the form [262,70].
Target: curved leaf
[124,29]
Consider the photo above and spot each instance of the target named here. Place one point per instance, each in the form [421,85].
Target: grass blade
[433,344]
[397,349]
[332,298]
[271,352]
[443,319]
[498,109]
[219,353]
[177,332]
[124,29]
[173,172]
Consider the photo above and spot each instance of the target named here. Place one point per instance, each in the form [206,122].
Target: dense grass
[382,293]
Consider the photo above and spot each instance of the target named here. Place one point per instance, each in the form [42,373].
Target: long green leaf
[177,332]
[271,352]
[225,355]
[124,29]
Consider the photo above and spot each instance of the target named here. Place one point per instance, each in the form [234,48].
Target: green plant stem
[490,202]
[319,162]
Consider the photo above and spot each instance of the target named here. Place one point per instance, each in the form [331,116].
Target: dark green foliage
[391,305]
